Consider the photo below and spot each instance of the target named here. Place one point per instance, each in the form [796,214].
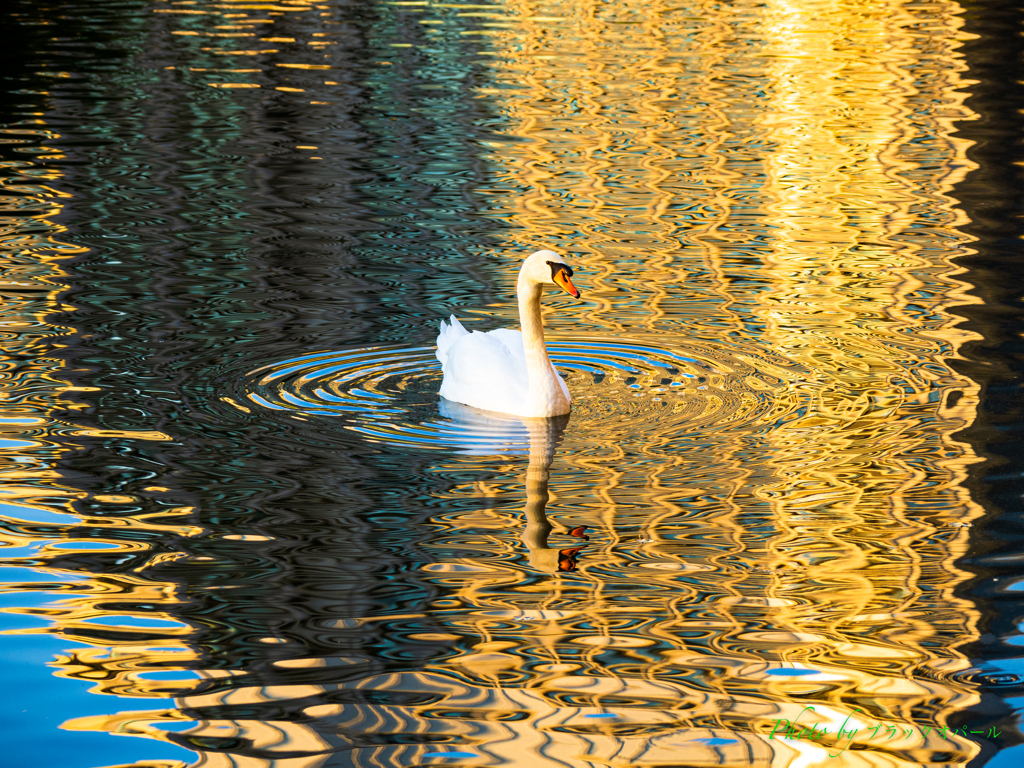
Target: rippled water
[623,392]
[240,526]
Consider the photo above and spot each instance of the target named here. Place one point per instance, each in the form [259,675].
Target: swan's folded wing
[448,336]
[513,342]
[480,371]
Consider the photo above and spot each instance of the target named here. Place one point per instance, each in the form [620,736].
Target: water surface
[241,528]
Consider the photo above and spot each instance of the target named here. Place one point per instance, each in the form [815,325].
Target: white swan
[505,370]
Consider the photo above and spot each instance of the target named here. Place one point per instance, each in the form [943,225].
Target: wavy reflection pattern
[53,536]
[757,502]
[193,251]
[60,546]
[739,178]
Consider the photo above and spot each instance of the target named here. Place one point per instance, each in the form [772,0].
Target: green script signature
[796,730]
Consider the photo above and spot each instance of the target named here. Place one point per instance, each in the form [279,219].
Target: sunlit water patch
[389,394]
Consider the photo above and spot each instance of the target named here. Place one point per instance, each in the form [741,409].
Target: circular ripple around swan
[389,394]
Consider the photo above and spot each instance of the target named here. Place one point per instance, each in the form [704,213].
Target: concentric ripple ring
[389,393]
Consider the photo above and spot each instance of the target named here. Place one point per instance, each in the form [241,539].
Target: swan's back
[484,370]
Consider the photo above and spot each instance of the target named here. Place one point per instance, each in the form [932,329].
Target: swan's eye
[557,266]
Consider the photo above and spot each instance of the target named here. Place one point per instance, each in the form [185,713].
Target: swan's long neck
[546,397]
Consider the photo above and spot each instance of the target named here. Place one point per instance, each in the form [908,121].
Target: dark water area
[239,528]
[222,250]
[990,195]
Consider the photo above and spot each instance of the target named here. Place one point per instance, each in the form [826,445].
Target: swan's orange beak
[563,281]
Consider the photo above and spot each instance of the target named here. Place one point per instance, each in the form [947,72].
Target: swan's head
[547,267]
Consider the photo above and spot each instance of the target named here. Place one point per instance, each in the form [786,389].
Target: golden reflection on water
[32,490]
[757,182]
[753,178]
[42,525]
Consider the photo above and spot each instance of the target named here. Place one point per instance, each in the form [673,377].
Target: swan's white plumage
[484,370]
[492,371]
[448,336]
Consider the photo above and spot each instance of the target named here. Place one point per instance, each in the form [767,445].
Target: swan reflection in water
[542,435]
[495,667]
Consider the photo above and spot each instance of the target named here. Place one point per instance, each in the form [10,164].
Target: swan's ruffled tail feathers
[448,336]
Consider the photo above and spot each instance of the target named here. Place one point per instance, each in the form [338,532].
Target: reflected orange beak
[563,281]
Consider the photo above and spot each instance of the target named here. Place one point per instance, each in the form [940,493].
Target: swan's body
[504,370]
[489,371]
